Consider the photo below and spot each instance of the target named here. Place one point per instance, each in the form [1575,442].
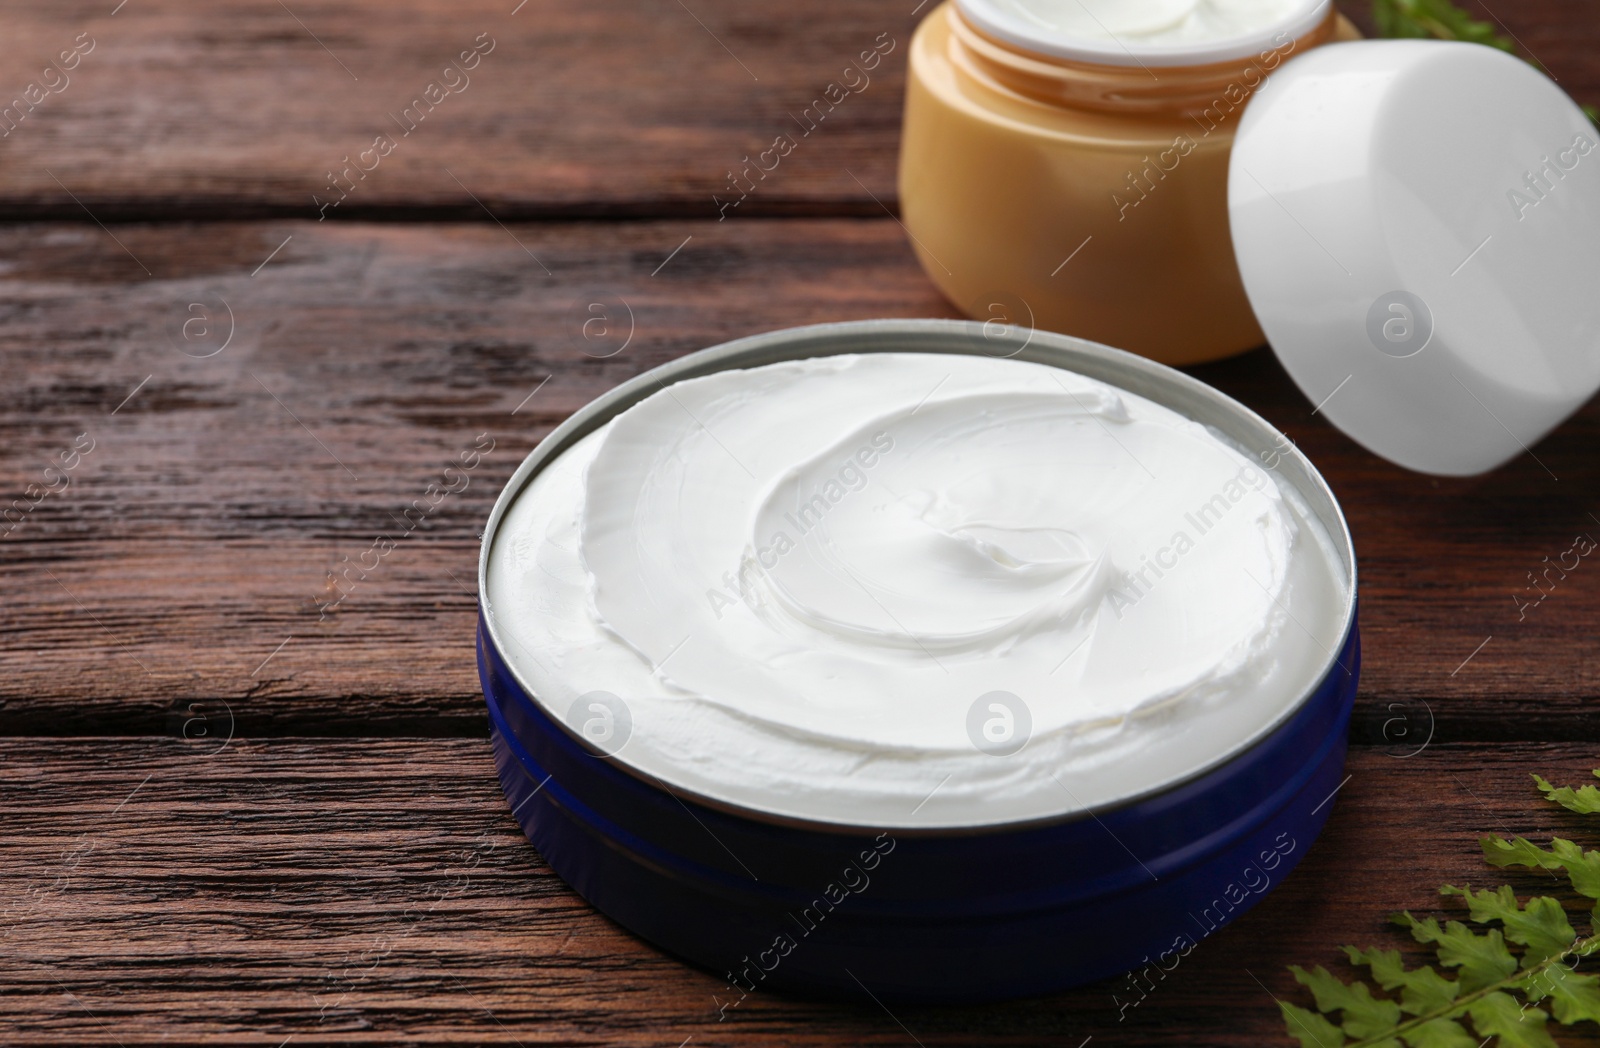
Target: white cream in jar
[1122,32]
[813,583]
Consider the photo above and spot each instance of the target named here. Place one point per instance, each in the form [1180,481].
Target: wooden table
[228,817]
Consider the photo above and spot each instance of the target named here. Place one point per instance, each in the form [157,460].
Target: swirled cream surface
[914,589]
[1146,27]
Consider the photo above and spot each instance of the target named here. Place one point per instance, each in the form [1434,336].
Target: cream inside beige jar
[828,589]
[1159,31]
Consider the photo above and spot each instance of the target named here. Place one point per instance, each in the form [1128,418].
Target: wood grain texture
[189,852]
[199,532]
[610,107]
[369,892]
[197,536]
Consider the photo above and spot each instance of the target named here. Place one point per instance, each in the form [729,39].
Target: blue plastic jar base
[922,917]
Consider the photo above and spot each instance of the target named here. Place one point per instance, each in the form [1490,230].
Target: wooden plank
[605,108]
[373,891]
[611,107]
[198,534]
[187,557]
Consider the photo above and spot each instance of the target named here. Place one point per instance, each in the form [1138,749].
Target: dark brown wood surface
[378,891]
[604,108]
[266,393]
[198,534]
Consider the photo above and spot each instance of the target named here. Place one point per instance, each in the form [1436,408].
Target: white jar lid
[1418,227]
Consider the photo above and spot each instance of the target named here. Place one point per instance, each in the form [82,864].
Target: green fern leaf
[1499,1015]
[1581,867]
[1363,1014]
[1309,1028]
[1439,19]
[1573,998]
[1585,800]
[1483,959]
[1441,1033]
[1422,990]
[1542,926]
[1433,1010]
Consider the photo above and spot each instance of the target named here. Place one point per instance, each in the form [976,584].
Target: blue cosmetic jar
[973,913]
